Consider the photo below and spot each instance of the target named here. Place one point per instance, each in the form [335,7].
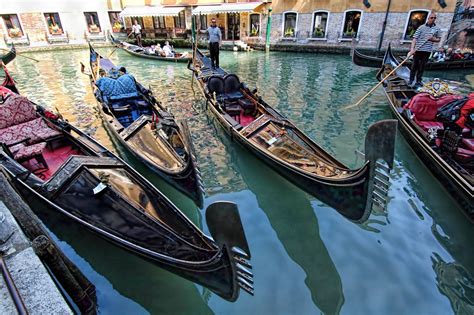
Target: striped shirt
[422,34]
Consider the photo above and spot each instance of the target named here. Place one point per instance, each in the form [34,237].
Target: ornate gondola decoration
[141,124]
[364,60]
[138,51]
[52,163]
[278,142]
[446,148]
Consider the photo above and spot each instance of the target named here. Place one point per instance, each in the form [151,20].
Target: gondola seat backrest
[425,107]
[19,121]
[16,110]
[215,84]
[117,89]
[232,86]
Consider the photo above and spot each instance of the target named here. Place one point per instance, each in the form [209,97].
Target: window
[289,24]
[203,22]
[351,24]
[115,21]
[254,25]
[415,20]
[320,23]
[92,21]
[159,22]
[54,23]
[179,21]
[13,25]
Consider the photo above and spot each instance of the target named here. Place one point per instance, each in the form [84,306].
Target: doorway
[233,26]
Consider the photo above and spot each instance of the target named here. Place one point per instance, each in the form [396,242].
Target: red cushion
[428,124]
[468,144]
[425,107]
[464,154]
[17,109]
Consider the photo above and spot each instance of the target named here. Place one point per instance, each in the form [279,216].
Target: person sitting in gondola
[150,50]
[159,50]
[111,89]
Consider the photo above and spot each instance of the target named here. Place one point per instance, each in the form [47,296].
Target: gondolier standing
[137,32]
[215,38]
[421,48]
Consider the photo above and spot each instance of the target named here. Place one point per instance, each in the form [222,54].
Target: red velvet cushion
[425,107]
[468,144]
[16,110]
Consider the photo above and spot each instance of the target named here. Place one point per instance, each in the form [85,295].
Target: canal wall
[33,282]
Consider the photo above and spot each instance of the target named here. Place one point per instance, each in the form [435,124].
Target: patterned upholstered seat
[18,121]
[23,153]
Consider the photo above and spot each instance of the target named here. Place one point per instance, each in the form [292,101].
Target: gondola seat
[215,84]
[18,121]
[232,87]
[424,108]
[468,144]
[22,153]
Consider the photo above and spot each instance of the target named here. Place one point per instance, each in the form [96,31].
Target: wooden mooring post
[76,285]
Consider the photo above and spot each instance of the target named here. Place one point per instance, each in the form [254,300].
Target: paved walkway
[36,287]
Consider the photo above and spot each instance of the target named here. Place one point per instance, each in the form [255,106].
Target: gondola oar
[117,47]
[21,55]
[382,80]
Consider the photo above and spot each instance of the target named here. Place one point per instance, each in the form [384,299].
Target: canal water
[415,257]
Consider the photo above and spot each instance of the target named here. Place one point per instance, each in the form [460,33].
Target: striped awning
[226,8]
[147,10]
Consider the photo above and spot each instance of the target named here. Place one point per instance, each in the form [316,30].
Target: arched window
[254,24]
[351,24]
[290,20]
[320,24]
[416,18]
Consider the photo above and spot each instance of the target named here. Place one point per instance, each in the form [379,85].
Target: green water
[413,258]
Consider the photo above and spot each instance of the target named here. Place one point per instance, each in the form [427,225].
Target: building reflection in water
[456,283]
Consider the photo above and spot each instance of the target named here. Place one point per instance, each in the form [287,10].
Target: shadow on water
[125,283]
[289,217]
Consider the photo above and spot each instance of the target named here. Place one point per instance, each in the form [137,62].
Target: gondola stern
[226,228]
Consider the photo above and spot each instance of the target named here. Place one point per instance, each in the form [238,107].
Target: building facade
[328,22]
[39,22]
[302,22]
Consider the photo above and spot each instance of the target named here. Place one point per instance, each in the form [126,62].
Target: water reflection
[456,283]
[288,217]
[154,289]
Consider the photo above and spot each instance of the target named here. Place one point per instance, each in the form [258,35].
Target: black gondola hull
[364,60]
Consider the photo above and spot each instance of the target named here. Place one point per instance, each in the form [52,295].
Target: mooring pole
[269,27]
[383,27]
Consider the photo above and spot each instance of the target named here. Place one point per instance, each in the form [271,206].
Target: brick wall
[369,30]
[34,25]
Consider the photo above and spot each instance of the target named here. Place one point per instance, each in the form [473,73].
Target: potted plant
[318,32]
[290,32]
[15,32]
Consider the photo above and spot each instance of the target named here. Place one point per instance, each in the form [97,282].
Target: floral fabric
[22,152]
[15,110]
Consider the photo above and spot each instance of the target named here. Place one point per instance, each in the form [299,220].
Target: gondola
[364,60]
[141,125]
[138,51]
[55,165]
[449,156]
[8,81]
[9,56]
[278,142]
